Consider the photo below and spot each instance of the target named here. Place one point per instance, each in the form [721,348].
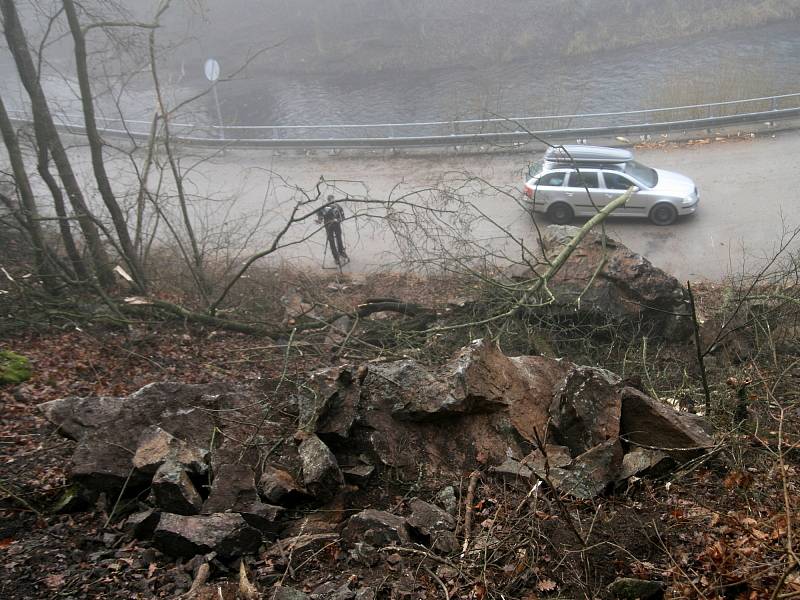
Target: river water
[730,65]
[738,64]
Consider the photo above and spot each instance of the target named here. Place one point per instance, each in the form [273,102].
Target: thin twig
[469,510]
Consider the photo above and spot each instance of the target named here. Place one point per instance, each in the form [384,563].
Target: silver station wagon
[577,181]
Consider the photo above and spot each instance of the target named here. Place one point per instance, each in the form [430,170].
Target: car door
[549,189]
[615,184]
[583,192]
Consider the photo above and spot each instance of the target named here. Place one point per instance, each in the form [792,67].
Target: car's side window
[583,180]
[552,179]
[616,181]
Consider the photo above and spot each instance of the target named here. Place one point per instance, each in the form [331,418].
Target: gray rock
[141,525]
[264,517]
[513,469]
[586,409]
[478,380]
[643,462]
[627,289]
[434,523]
[404,588]
[480,403]
[279,487]
[651,424]
[74,416]
[627,588]
[365,554]
[303,547]
[359,474]
[447,499]
[376,528]
[333,591]
[321,473]
[156,446]
[286,593]
[227,534]
[557,457]
[429,518]
[174,492]
[365,594]
[233,489]
[331,407]
[108,429]
[591,472]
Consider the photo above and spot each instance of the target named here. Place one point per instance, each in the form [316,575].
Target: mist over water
[387,61]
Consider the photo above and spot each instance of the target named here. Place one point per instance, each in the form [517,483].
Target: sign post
[211,69]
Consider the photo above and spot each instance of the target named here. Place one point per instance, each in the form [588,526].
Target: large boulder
[480,379]
[648,423]
[586,408]
[482,404]
[613,283]
[228,534]
[331,406]
[109,429]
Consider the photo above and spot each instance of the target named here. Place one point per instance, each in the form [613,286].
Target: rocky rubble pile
[224,478]
[607,282]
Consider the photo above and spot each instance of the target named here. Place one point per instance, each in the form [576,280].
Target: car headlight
[688,200]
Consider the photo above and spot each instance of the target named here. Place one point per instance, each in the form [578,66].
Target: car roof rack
[587,154]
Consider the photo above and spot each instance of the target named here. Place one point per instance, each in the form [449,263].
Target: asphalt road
[749,200]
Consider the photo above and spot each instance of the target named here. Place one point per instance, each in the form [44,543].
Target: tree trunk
[74,255]
[96,149]
[17,44]
[30,212]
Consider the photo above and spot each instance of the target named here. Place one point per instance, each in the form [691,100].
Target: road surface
[749,199]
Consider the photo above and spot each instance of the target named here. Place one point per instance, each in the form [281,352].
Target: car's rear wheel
[560,213]
[663,214]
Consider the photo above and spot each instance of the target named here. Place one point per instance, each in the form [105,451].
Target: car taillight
[528,192]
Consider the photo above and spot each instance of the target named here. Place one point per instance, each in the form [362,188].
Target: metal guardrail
[495,130]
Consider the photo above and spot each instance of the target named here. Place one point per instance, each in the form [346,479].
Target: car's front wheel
[560,213]
[663,214]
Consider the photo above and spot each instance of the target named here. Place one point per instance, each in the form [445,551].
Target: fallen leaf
[479,591]
[546,585]
[54,581]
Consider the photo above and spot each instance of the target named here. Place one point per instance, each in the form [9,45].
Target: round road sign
[211,69]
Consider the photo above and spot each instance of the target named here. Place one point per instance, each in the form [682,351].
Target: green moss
[14,368]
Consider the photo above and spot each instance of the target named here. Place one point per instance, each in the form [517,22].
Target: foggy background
[372,61]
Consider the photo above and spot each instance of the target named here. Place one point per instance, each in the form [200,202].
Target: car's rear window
[552,179]
[535,168]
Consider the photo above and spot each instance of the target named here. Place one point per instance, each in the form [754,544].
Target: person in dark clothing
[332,216]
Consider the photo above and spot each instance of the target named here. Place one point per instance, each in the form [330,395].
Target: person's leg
[329,230]
[337,232]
